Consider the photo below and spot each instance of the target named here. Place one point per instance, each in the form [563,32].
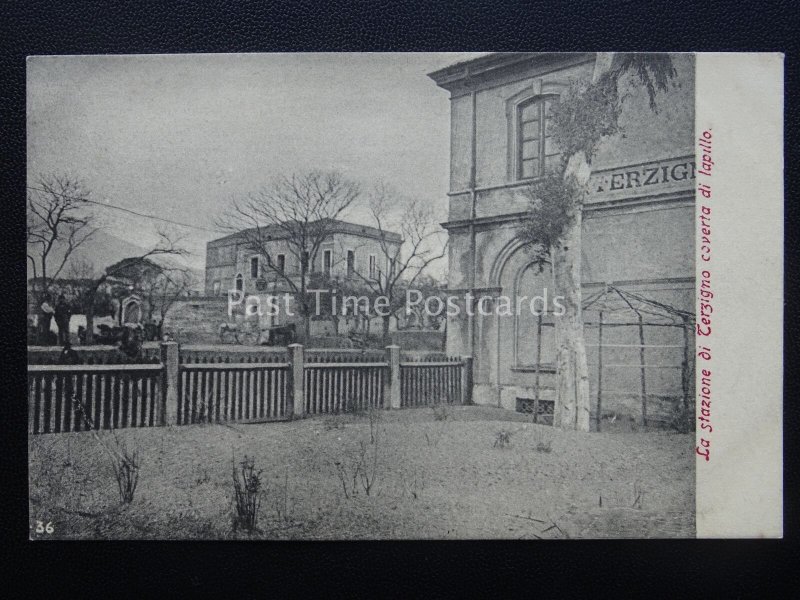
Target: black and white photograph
[366,296]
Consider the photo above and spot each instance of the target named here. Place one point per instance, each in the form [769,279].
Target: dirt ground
[432,479]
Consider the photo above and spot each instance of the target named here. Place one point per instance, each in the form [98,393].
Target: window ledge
[548,368]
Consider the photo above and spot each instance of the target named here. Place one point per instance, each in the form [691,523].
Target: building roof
[457,74]
[276,232]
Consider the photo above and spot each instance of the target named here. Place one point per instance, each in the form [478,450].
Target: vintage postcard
[355,296]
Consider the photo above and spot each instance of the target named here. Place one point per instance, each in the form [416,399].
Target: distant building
[233,264]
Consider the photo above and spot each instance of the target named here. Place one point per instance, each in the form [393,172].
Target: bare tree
[161,290]
[423,243]
[586,114]
[300,210]
[57,223]
[166,246]
[81,274]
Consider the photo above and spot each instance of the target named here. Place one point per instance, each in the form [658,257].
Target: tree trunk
[90,299]
[573,372]
[303,303]
[335,323]
[90,322]
[44,333]
[386,339]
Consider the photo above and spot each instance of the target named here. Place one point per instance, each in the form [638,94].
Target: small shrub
[126,464]
[282,509]
[502,438]
[202,476]
[364,466]
[432,438]
[543,441]
[203,416]
[247,494]
[348,476]
[333,422]
[682,419]
[416,486]
[440,412]
[374,418]
[638,495]
[368,474]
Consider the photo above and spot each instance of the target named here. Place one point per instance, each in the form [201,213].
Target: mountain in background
[104,249]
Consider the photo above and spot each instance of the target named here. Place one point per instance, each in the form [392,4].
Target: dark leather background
[64,27]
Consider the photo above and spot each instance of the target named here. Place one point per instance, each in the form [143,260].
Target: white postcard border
[739,104]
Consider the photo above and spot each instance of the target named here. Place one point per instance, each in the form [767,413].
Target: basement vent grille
[542,410]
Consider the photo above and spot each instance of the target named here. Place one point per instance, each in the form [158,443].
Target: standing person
[63,315]
[44,323]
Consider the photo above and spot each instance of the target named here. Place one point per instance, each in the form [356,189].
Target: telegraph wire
[127,210]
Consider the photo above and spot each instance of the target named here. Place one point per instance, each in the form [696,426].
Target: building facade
[233,264]
[638,227]
[349,255]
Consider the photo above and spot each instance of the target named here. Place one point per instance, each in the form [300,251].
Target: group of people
[62,314]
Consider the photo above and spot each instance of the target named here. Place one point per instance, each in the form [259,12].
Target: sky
[179,136]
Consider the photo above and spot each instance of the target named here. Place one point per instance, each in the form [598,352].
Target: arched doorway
[131,311]
[523,352]
[534,322]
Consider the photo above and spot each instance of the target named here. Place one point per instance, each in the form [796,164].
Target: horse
[282,335]
[229,328]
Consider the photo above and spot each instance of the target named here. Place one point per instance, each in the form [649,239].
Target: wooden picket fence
[344,387]
[241,392]
[196,385]
[82,397]
[232,385]
[424,383]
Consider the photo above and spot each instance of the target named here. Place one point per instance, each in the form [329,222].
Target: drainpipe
[472,215]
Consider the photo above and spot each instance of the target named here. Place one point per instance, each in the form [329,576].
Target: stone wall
[196,320]
[413,340]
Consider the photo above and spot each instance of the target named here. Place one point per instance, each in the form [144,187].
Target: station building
[638,233]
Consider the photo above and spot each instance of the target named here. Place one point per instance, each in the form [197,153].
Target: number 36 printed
[42,528]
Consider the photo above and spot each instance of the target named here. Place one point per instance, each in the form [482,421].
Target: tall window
[536,150]
[373,270]
[254,267]
[217,287]
[351,262]
[281,264]
[327,257]
[239,282]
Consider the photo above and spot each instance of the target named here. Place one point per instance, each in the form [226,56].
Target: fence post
[168,409]
[599,415]
[297,362]
[466,380]
[642,371]
[391,393]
